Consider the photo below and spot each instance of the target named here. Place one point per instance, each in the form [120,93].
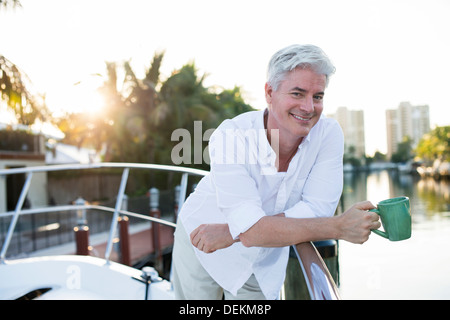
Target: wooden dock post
[82,240]
[124,237]
[81,230]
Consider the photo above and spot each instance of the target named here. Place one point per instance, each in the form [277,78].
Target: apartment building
[352,124]
[406,121]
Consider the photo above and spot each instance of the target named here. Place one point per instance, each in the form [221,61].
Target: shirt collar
[260,126]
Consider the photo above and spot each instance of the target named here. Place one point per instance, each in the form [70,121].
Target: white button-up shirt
[243,186]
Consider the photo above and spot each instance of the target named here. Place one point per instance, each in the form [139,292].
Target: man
[275,181]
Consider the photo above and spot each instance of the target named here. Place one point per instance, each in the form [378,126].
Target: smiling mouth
[307,118]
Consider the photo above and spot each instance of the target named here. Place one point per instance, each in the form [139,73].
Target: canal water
[417,268]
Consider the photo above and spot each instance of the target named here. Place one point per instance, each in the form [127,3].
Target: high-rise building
[352,124]
[406,121]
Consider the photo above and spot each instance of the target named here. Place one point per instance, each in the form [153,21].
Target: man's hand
[211,237]
[355,223]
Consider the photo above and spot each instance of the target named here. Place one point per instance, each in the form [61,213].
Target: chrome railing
[29,171]
[320,283]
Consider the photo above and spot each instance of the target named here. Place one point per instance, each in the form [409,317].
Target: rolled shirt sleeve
[237,194]
[237,198]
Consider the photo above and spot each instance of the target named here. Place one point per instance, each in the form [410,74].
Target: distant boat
[405,167]
[348,167]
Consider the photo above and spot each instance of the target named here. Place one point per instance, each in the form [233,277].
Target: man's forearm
[278,231]
[353,225]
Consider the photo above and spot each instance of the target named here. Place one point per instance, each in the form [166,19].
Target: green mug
[395,217]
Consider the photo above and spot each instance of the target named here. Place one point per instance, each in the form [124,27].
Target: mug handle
[376,231]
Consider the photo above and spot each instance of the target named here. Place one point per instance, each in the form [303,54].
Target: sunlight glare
[94,102]
[378,187]
[81,97]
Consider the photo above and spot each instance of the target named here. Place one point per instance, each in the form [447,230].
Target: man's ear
[268,93]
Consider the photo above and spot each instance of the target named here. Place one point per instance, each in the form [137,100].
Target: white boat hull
[77,277]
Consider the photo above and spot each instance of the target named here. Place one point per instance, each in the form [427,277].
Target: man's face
[296,106]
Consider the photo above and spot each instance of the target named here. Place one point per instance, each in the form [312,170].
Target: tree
[351,158]
[10,3]
[14,87]
[435,145]
[378,156]
[404,151]
[142,101]
[233,102]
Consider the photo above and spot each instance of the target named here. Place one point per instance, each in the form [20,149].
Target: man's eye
[318,97]
[297,94]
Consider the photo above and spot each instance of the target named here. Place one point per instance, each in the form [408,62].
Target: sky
[385,51]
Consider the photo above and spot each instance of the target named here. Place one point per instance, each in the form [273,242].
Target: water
[417,268]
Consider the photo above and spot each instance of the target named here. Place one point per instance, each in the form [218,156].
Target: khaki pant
[191,281]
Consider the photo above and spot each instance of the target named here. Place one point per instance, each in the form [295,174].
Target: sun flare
[77,98]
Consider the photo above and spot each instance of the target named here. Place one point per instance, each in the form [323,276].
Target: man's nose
[307,105]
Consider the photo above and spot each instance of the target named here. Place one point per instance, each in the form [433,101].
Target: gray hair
[298,56]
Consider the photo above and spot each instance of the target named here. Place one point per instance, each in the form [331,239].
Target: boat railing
[117,210]
[320,283]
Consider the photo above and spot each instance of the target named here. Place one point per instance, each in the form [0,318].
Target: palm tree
[142,101]
[10,3]
[15,84]
[186,100]
[125,129]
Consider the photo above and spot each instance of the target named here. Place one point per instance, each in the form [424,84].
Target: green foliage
[435,145]
[9,4]
[351,158]
[14,89]
[404,151]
